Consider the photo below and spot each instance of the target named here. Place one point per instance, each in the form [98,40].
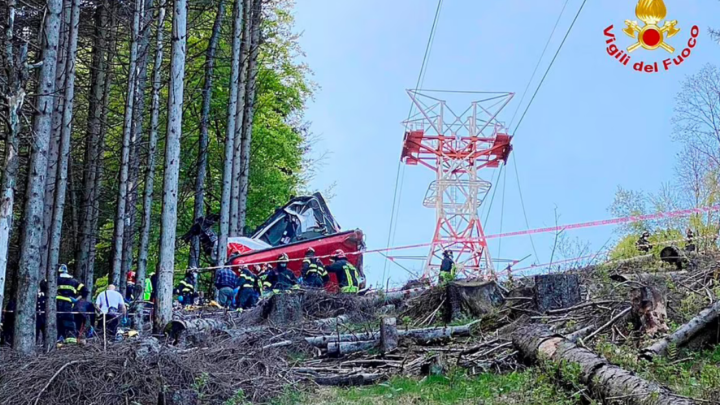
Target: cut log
[426,334]
[178,331]
[471,298]
[352,380]
[388,335]
[335,349]
[331,323]
[396,296]
[323,341]
[648,310]
[429,334]
[285,309]
[555,291]
[605,381]
[704,320]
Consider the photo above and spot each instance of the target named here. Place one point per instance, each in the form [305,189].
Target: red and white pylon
[457,146]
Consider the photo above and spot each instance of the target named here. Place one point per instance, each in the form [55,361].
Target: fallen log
[179,330]
[685,333]
[605,381]
[331,323]
[335,349]
[352,380]
[395,296]
[425,334]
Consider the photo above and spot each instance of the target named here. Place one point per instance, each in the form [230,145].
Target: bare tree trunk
[29,266]
[235,230]
[204,121]
[168,228]
[120,218]
[138,113]
[249,112]
[58,106]
[150,165]
[112,43]
[16,72]
[92,145]
[61,182]
[227,186]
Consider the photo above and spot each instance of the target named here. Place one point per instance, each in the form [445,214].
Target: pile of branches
[319,304]
[425,308]
[145,372]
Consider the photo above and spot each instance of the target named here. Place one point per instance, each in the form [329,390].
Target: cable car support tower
[459,148]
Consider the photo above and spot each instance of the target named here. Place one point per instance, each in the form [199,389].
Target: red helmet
[131,276]
[339,254]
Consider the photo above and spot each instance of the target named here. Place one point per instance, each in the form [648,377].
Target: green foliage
[659,239]
[528,387]
[280,144]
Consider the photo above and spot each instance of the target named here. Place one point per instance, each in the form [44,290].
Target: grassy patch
[526,387]
[688,373]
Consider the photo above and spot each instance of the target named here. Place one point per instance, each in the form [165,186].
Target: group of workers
[77,314]
[239,287]
[643,243]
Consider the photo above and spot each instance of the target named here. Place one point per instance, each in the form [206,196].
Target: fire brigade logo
[651,36]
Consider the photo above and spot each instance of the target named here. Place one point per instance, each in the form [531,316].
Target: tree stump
[285,308]
[388,335]
[472,298]
[648,310]
[556,291]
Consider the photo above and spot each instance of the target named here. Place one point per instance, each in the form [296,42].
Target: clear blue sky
[594,125]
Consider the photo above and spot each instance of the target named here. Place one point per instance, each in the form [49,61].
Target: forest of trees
[123,121]
[696,183]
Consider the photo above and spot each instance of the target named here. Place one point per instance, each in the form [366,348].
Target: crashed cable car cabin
[302,223]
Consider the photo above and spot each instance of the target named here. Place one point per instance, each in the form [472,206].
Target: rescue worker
[68,293]
[643,244]
[313,271]
[186,289]
[281,278]
[447,268]
[262,275]
[85,316]
[148,294]
[225,280]
[249,288]
[690,241]
[347,274]
[130,289]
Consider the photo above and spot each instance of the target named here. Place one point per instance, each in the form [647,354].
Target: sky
[594,125]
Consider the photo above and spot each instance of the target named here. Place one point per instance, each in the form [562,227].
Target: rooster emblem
[651,36]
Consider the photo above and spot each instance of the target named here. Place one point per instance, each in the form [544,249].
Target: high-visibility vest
[352,274]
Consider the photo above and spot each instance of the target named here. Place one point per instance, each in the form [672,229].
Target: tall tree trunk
[92,145]
[54,151]
[61,182]
[227,185]
[168,226]
[138,114]
[120,218]
[249,113]
[112,44]
[204,122]
[16,75]
[29,266]
[235,229]
[150,164]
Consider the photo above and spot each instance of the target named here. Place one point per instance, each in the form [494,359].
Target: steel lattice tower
[457,147]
